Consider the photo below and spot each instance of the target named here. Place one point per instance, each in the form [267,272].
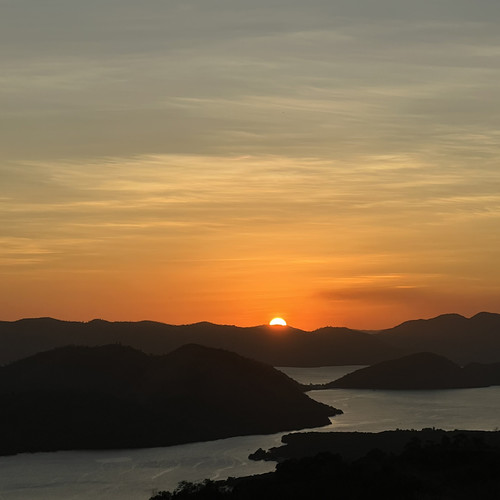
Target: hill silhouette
[420,371]
[117,397]
[278,346]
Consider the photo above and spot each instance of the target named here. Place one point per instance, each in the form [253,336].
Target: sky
[333,162]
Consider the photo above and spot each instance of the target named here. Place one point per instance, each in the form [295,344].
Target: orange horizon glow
[306,324]
[347,177]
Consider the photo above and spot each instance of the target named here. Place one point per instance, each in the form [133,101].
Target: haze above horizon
[329,163]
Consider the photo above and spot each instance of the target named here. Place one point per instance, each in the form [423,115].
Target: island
[420,371]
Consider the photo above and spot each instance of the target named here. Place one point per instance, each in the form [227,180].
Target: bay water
[138,474]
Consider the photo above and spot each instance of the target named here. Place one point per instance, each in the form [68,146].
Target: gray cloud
[327,79]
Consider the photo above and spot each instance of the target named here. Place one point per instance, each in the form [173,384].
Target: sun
[277,322]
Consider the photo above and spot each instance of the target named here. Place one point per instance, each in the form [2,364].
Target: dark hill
[277,346]
[116,397]
[460,339]
[416,371]
[421,371]
[107,369]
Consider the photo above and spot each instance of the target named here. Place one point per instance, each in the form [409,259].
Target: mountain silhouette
[460,339]
[117,397]
[278,346]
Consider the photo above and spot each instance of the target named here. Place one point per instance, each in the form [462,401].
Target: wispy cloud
[327,140]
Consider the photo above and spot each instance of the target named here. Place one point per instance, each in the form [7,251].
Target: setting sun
[277,321]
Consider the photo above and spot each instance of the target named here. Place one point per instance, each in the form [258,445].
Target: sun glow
[277,322]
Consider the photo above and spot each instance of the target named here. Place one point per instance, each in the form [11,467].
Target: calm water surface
[127,474]
[373,411]
[137,474]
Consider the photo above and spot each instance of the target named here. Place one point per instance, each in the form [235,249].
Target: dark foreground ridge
[393,465]
[421,371]
[117,397]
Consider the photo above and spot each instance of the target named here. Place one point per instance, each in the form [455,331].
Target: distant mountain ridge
[278,346]
[462,340]
[117,397]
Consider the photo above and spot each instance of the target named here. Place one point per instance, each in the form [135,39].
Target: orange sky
[182,162]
